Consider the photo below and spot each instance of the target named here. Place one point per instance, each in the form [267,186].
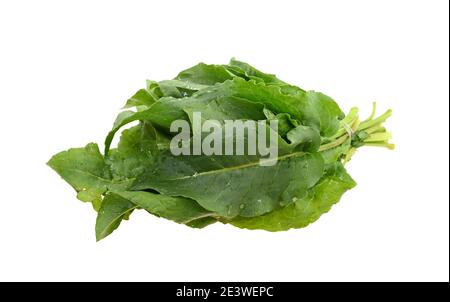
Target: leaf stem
[335,143]
[378,120]
[369,132]
[375,129]
[372,114]
[349,119]
[381,144]
[379,137]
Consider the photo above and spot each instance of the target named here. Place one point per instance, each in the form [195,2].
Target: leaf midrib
[104,232]
[243,166]
[110,181]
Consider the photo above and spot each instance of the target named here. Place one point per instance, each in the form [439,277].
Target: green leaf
[153,89]
[285,122]
[184,85]
[141,98]
[201,222]
[135,150]
[252,72]
[169,89]
[307,176]
[227,108]
[204,75]
[226,184]
[118,205]
[178,209]
[113,210]
[124,115]
[321,111]
[248,72]
[314,109]
[304,138]
[335,154]
[86,171]
[154,113]
[269,96]
[304,211]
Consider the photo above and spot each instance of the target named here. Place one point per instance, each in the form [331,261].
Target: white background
[66,68]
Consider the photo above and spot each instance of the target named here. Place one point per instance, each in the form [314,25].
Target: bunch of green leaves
[315,140]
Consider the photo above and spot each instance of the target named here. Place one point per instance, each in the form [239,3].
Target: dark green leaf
[204,75]
[300,180]
[304,211]
[255,73]
[285,122]
[113,210]
[178,209]
[87,172]
[141,98]
[226,184]
[304,138]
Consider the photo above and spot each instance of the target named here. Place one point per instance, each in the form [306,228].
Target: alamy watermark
[232,137]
